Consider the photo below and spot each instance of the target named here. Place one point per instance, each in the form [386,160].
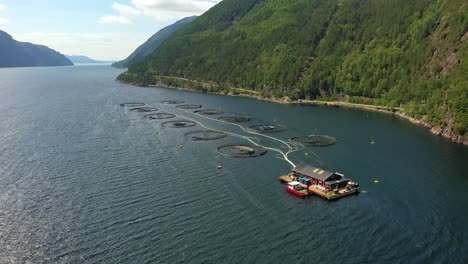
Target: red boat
[295,188]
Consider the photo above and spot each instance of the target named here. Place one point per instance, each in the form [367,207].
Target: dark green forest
[395,53]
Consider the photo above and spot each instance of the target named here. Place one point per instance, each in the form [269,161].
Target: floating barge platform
[329,185]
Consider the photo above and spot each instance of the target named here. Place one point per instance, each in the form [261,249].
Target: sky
[100,29]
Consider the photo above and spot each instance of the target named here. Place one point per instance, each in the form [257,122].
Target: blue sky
[101,29]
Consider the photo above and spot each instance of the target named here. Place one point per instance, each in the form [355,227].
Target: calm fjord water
[83,180]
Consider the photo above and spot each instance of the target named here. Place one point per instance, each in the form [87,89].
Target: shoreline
[396,111]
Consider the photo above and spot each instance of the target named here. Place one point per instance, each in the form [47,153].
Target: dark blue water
[83,180]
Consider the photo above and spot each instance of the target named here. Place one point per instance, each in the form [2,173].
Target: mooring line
[285,155]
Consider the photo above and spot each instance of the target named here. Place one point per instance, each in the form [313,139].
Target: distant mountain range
[154,42]
[23,54]
[84,59]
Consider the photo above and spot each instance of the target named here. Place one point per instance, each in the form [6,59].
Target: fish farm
[234,119]
[160,116]
[209,112]
[270,128]
[205,135]
[173,102]
[314,140]
[179,124]
[303,180]
[146,109]
[189,106]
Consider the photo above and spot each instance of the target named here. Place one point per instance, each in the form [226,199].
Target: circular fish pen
[205,135]
[179,124]
[173,102]
[209,112]
[314,140]
[189,106]
[241,151]
[159,116]
[234,119]
[268,128]
[132,104]
[146,109]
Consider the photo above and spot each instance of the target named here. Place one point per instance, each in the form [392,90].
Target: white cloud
[100,46]
[173,9]
[125,10]
[115,20]
[3,21]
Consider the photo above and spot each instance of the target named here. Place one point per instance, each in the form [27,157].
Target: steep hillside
[154,42]
[408,54]
[23,54]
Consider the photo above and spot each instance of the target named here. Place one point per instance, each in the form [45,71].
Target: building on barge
[330,185]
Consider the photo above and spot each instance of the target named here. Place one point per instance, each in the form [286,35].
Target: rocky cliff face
[448,131]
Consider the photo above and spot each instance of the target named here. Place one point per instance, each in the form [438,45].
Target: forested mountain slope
[154,42]
[398,53]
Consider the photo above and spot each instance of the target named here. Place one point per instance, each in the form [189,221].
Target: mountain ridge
[84,59]
[154,42]
[399,54]
[24,54]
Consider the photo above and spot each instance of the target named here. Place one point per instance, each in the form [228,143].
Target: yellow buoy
[376,181]
[220,167]
[181,146]
[372,142]
[307,154]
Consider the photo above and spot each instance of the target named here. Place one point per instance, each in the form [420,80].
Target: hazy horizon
[105,30]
